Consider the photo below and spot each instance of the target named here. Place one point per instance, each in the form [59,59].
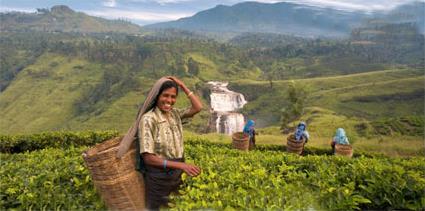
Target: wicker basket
[240,141]
[294,146]
[117,181]
[344,150]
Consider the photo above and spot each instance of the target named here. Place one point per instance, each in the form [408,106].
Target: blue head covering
[248,126]
[340,137]
[300,130]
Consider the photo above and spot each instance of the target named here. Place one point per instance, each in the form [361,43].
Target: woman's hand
[155,160]
[191,170]
[194,100]
[178,81]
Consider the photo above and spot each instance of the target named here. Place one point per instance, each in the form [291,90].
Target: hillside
[91,88]
[67,85]
[63,19]
[97,81]
[413,12]
[369,96]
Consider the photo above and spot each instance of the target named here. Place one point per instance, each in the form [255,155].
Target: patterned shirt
[160,136]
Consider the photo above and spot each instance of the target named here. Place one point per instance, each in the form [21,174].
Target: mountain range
[291,19]
[224,21]
[61,18]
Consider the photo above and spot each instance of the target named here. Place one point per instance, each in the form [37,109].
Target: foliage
[240,180]
[409,125]
[61,18]
[49,179]
[383,41]
[115,83]
[63,140]
[55,178]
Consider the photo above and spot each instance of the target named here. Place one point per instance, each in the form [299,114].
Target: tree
[193,67]
[270,75]
[296,98]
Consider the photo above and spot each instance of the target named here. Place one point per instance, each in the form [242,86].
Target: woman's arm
[196,103]
[155,160]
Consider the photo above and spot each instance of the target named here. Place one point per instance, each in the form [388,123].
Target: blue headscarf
[300,131]
[249,126]
[340,137]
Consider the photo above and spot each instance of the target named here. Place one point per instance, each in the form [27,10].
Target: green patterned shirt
[161,137]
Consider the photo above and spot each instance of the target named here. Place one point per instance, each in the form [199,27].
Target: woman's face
[167,99]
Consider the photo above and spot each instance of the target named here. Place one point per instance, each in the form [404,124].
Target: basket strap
[126,141]
[140,164]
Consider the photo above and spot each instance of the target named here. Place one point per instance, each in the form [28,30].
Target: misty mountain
[282,18]
[291,19]
[63,19]
[412,13]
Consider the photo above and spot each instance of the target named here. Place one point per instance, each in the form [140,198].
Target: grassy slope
[364,95]
[42,95]
[349,101]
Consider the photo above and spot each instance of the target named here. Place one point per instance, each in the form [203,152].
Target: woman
[159,130]
[250,131]
[339,138]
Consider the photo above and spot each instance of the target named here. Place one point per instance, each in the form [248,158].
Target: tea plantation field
[54,177]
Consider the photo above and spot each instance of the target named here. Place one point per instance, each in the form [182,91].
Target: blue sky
[151,11]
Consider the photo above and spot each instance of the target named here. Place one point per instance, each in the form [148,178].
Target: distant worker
[301,133]
[339,138]
[250,131]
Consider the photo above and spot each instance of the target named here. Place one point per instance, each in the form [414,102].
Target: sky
[144,12]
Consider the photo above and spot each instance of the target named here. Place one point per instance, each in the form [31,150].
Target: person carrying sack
[159,131]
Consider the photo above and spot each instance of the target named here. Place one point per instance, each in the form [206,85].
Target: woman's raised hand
[180,84]
[175,79]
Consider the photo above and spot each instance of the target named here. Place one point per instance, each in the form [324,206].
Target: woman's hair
[164,86]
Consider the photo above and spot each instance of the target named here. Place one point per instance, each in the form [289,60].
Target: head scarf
[300,130]
[248,126]
[147,105]
[340,137]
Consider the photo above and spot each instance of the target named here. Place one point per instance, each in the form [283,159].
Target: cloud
[139,16]
[269,1]
[16,9]
[163,2]
[150,11]
[109,3]
[365,5]
[171,1]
